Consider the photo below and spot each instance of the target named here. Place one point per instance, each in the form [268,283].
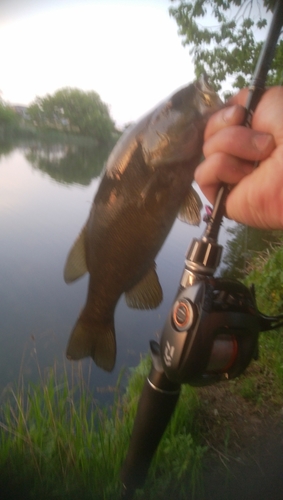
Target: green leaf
[228,47]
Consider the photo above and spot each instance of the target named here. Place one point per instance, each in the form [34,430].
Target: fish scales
[146,184]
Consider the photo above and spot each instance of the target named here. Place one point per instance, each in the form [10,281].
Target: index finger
[239,98]
[233,113]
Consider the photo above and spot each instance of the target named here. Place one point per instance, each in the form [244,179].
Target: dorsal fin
[190,209]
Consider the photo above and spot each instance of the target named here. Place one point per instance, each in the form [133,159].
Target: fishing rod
[211,333]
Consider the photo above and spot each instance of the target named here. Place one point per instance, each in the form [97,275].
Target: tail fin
[97,341]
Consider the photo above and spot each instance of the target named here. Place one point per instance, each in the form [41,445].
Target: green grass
[56,442]
[262,382]
[266,272]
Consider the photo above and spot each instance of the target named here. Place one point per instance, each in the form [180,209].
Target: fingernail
[262,141]
[229,114]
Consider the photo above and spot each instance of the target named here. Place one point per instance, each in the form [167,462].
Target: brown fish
[146,184]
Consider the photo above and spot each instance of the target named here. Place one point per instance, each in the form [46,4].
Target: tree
[71,109]
[9,126]
[36,113]
[8,117]
[223,37]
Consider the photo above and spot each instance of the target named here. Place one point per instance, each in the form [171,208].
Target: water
[45,197]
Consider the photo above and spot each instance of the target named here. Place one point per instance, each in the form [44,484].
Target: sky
[128,51]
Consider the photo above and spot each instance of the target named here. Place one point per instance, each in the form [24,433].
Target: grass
[262,382]
[57,442]
[266,272]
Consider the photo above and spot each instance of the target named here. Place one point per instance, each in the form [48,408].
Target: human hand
[230,150]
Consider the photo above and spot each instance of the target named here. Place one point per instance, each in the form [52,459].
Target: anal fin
[147,293]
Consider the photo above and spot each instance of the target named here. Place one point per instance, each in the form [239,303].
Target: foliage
[243,244]
[73,110]
[266,270]
[8,117]
[223,38]
[264,384]
[9,123]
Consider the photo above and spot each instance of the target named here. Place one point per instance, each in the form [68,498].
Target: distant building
[20,110]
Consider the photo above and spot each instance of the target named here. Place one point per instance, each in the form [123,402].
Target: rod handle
[156,406]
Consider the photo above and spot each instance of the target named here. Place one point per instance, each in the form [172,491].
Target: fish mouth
[210,99]
[202,84]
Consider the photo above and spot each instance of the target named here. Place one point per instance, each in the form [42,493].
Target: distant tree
[222,37]
[36,113]
[74,110]
[9,126]
[8,117]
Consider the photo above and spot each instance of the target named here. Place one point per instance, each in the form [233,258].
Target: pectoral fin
[147,294]
[97,341]
[190,209]
[75,266]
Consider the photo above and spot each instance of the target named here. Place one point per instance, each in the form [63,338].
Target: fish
[145,185]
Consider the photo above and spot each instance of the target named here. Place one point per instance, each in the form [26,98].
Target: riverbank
[17,133]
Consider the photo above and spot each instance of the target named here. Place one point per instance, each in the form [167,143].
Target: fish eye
[207,99]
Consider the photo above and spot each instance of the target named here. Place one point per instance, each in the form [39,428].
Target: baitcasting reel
[211,333]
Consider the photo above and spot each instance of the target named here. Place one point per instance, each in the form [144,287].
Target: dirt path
[245,446]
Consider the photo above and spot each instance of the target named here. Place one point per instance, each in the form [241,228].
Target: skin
[230,150]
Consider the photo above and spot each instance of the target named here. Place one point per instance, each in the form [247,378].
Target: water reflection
[68,163]
[6,147]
